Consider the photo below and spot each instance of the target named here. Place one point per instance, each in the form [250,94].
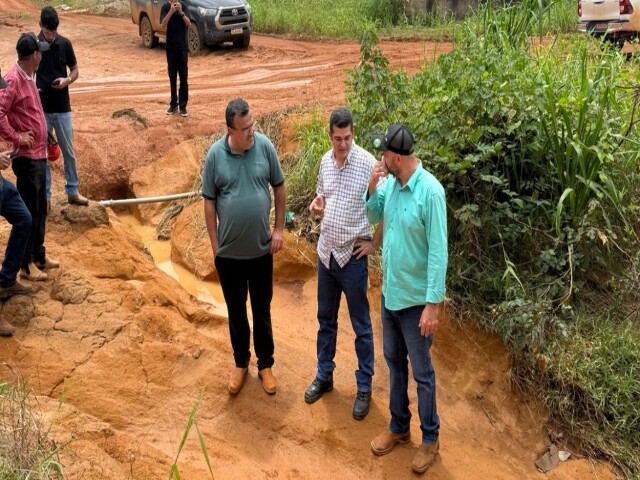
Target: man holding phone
[59,69]
[176,23]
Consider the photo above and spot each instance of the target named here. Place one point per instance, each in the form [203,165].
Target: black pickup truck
[212,22]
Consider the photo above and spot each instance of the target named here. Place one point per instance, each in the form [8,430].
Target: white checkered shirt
[344,219]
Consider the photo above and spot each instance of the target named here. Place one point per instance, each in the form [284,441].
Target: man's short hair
[49,18]
[236,108]
[340,118]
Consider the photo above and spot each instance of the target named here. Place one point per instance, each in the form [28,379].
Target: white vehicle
[613,20]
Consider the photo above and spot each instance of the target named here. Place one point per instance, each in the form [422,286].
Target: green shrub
[536,149]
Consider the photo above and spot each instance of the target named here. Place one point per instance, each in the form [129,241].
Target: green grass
[349,19]
[26,451]
[594,387]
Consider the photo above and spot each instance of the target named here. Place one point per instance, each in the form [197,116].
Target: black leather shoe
[316,389]
[361,405]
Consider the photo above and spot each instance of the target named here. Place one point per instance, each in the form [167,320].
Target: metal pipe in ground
[136,201]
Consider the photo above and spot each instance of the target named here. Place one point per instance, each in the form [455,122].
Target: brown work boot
[384,443]
[15,289]
[425,456]
[33,273]
[48,264]
[78,199]
[236,380]
[268,380]
[6,329]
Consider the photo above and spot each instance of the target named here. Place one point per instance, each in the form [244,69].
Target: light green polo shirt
[414,252]
[239,184]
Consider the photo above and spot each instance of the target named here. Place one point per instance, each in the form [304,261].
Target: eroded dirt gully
[135,348]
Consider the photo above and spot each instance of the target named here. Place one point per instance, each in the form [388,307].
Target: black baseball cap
[28,43]
[398,139]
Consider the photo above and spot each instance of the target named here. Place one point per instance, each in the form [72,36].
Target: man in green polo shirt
[414,263]
[238,171]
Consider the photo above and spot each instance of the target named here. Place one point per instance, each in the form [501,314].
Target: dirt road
[116,72]
[135,351]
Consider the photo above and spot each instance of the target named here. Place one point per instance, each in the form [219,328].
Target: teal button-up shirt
[414,254]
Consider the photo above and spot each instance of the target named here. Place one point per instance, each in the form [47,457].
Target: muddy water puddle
[208,292]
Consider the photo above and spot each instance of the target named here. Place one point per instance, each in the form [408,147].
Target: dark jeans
[352,279]
[13,209]
[401,338]
[236,278]
[177,65]
[30,182]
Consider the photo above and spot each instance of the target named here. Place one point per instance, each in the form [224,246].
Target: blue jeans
[13,209]
[62,124]
[401,338]
[352,280]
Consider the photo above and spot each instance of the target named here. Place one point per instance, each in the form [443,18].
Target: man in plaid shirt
[345,241]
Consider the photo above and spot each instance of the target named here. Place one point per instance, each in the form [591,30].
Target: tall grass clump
[174,472]
[536,147]
[302,176]
[601,358]
[26,451]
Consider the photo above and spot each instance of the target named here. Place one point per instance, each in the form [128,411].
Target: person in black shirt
[176,24]
[59,69]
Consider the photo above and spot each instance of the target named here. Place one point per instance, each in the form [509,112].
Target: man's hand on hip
[363,247]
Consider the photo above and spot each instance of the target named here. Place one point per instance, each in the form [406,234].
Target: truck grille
[232,15]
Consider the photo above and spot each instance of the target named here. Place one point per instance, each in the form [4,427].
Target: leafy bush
[535,147]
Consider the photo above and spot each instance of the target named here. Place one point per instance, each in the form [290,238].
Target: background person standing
[22,124]
[176,23]
[59,69]
[238,171]
[13,209]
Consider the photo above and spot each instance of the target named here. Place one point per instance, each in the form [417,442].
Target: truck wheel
[193,39]
[242,42]
[149,38]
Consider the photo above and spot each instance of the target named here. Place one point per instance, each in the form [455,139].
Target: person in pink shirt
[22,124]
[14,211]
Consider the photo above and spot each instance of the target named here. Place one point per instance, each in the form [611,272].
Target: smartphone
[12,154]
[56,82]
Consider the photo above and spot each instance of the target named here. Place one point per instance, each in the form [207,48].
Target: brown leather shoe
[6,329]
[384,443]
[425,456]
[48,264]
[236,380]
[15,289]
[78,199]
[268,381]
[33,273]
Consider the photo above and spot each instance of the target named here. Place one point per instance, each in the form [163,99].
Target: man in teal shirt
[414,260]
[239,171]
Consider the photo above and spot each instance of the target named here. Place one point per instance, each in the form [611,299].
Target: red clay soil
[132,350]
